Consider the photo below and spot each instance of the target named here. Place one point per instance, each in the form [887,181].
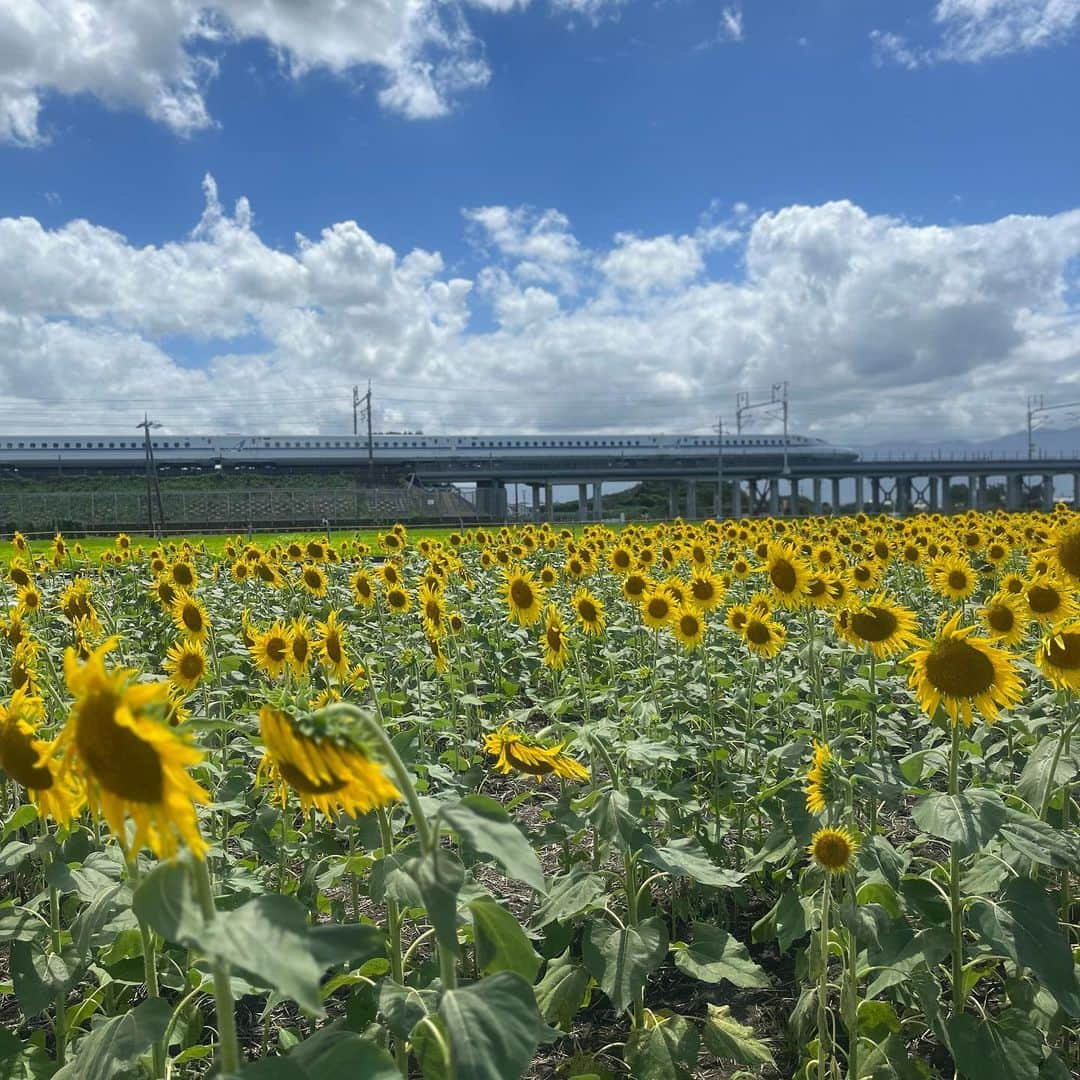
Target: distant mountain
[1049,442]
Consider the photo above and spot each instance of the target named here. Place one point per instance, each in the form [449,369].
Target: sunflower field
[760,798]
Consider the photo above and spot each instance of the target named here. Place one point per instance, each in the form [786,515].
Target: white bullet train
[406,451]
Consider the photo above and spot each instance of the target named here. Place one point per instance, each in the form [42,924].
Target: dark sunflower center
[959,670]
[689,625]
[276,648]
[881,549]
[703,590]
[832,850]
[587,611]
[996,552]
[304,784]
[1064,651]
[19,759]
[738,619]
[191,666]
[1068,553]
[658,607]
[121,762]
[862,573]
[521,593]
[874,624]
[434,613]
[1001,618]
[816,587]
[312,579]
[300,648]
[1043,599]
[635,585]
[182,575]
[332,645]
[758,632]
[554,638]
[396,598]
[192,618]
[957,579]
[783,576]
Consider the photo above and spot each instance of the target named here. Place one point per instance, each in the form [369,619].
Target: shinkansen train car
[114,453]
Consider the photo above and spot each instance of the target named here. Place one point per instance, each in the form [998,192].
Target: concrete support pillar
[816,496]
[932,498]
[583,502]
[598,499]
[875,494]
[834,494]
[549,503]
[736,497]
[535,501]
[903,495]
[973,492]
[752,492]
[981,501]
[1012,491]
[691,499]
[793,497]
[1076,491]
[774,496]
[860,501]
[1048,492]
[672,499]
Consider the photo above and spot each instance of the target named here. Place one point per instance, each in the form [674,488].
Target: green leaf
[561,992]
[667,1050]
[1036,772]
[726,1038]
[621,960]
[1003,1048]
[616,821]
[22,817]
[714,954]
[501,943]
[1023,925]
[165,899]
[403,1007]
[925,949]
[486,827]
[687,858]
[337,1054]
[92,918]
[13,854]
[970,819]
[31,978]
[439,876]
[493,1027]
[569,896]
[1039,842]
[113,1046]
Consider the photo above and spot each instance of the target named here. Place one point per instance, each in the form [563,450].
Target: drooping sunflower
[1048,602]
[24,665]
[1058,657]
[517,752]
[880,625]
[688,626]
[555,648]
[1004,618]
[313,580]
[962,672]
[832,849]
[18,574]
[29,762]
[523,596]
[327,766]
[817,787]
[787,573]
[331,645]
[763,635]
[270,649]
[590,612]
[190,617]
[133,765]
[185,664]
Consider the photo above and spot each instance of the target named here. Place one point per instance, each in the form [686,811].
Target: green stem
[393,933]
[1048,788]
[851,1019]
[60,1024]
[228,1046]
[955,909]
[873,741]
[824,1060]
[630,871]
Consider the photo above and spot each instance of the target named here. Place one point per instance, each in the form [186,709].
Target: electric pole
[365,399]
[355,406]
[1035,411]
[719,468]
[153,487]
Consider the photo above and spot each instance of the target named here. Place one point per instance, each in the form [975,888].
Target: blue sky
[794,162]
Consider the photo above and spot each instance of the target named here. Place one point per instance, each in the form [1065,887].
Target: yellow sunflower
[398,599]
[882,626]
[788,574]
[29,600]
[313,580]
[29,762]
[523,596]
[621,559]
[328,767]
[953,577]
[635,586]
[432,611]
[832,849]
[190,617]
[1058,657]
[688,626]
[518,752]
[706,591]
[1048,602]
[554,639]
[363,588]
[1004,618]
[763,635]
[817,779]
[962,672]
[1064,549]
[133,765]
[270,649]
[183,576]
[331,645]
[657,608]
[185,664]
[299,644]
[590,612]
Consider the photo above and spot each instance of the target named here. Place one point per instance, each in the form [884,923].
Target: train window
[112,446]
[67,445]
[78,445]
[101,446]
[33,446]
[21,446]
[187,445]
[56,446]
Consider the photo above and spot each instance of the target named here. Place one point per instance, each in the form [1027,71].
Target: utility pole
[357,399]
[1035,411]
[782,389]
[153,487]
[719,507]
[355,406]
